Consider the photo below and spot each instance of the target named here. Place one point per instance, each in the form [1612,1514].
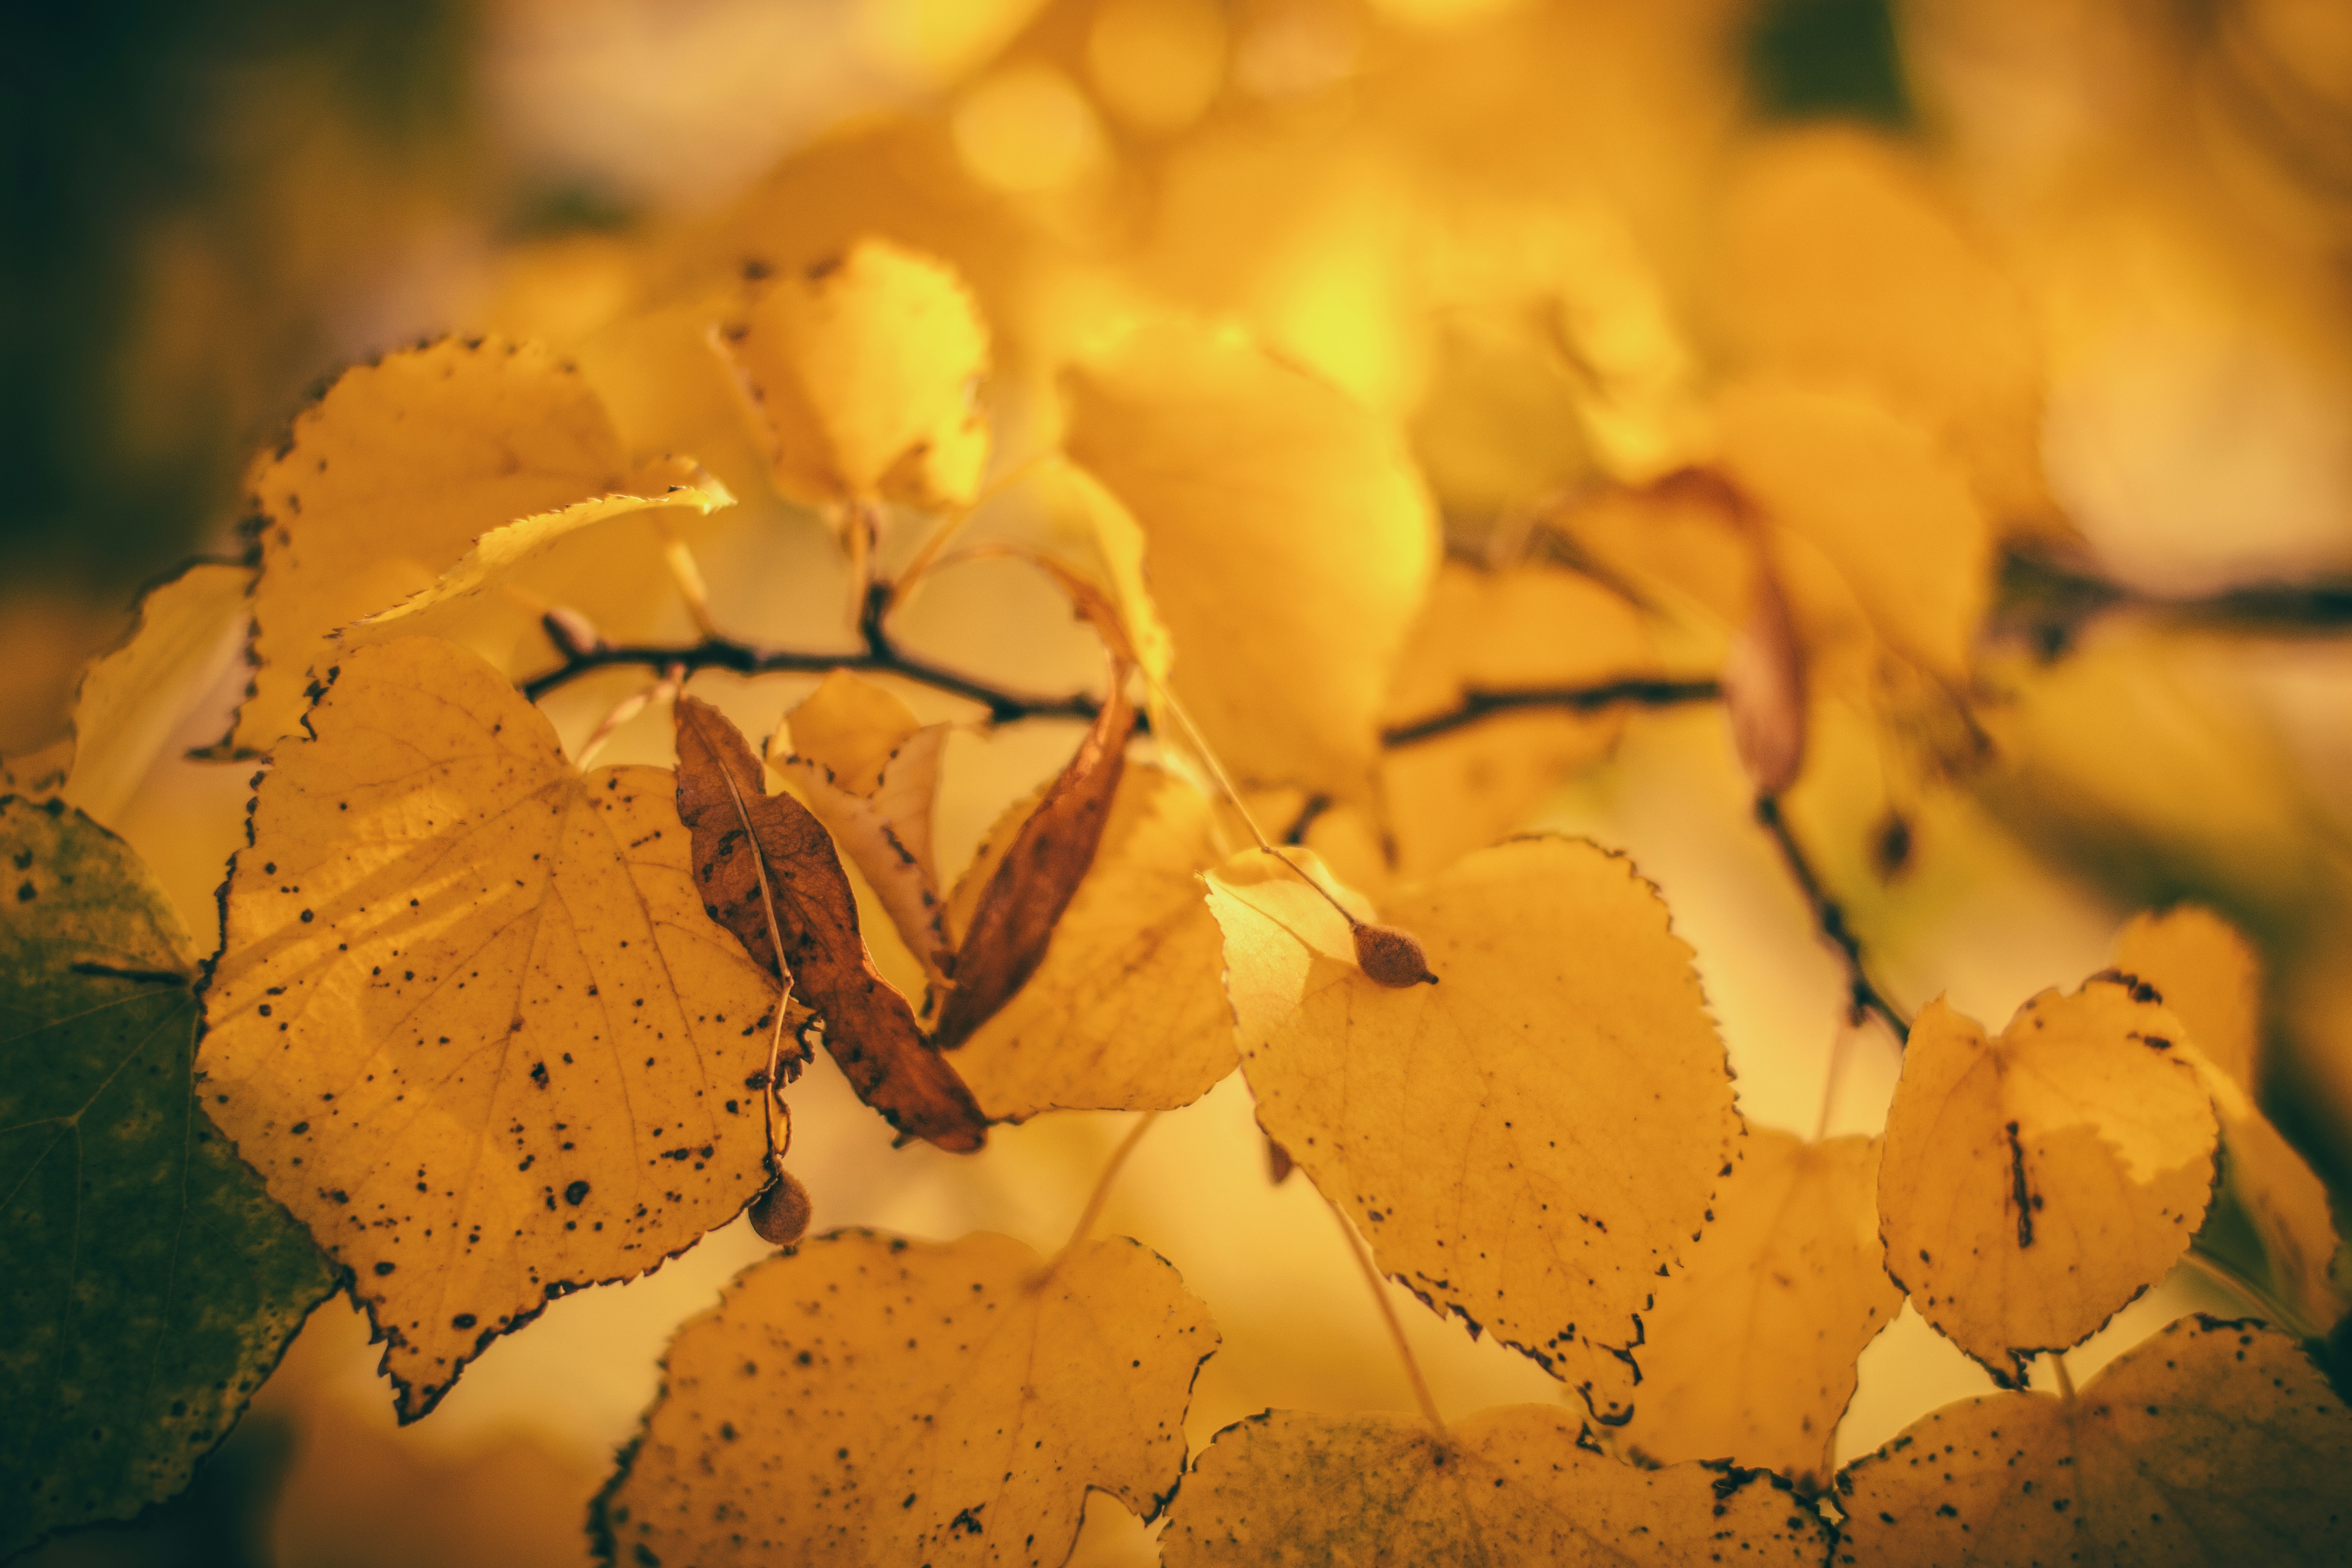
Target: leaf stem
[2066,1378]
[1111,1167]
[1380,1289]
[1862,995]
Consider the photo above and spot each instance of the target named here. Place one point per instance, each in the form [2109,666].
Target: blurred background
[2101,248]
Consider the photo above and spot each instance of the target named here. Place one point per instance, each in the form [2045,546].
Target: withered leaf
[470,1024]
[1039,875]
[2034,1182]
[872,1401]
[1526,1143]
[2213,1442]
[1516,1488]
[759,857]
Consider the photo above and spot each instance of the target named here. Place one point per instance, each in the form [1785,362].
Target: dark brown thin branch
[1862,996]
[1479,703]
[747,658]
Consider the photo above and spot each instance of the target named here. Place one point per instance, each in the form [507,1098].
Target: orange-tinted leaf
[759,857]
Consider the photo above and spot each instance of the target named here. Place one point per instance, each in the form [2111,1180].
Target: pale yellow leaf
[1127,1011]
[132,697]
[2213,1445]
[862,373]
[1875,495]
[1750,1355]
[1514,1487]
[1520,629]
[1844,263]
[2034,1182]
[439,610]
[390,479]
[869,1401]
[849,726]
[1528,1142]
[1285,531]
[472,1025]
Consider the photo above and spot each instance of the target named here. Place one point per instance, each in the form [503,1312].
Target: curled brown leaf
[759,857]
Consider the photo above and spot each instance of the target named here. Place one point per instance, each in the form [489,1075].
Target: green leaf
[147,1283]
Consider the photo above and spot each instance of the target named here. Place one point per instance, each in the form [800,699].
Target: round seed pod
[1393,956]
[781,1213]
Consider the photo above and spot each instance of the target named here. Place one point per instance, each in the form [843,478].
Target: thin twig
[1363,1257]
[1479,703]
[2066,1378]
[1862,995]
[1101,1194]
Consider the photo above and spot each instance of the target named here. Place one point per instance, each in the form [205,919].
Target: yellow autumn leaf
[440,609]
[390,479]
[471,1024]
[131,697]
[1127,1011]
[2210,977]
[1528,1142]
[2213,1442]
[1520,629]
[870,1400]
[1751,1353]
[862,373]
[1250,479]
[854,753]
[1843,262]
[1515,1487]
[1876,496]
[2035,1181]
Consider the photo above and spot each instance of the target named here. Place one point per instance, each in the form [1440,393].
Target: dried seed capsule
[1393,956]
[781,1213]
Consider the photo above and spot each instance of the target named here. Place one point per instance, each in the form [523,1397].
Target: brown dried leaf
[1750,1355]
[2213,1442]
[2034,1184]
[760,857]
[1040,874]
[1515,1487]
[873,1401]
[470,1024]
[1526,1142]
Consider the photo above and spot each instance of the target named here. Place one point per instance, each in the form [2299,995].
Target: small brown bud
[573,634]
[1278,1162]
[781,1213]
[1393,956]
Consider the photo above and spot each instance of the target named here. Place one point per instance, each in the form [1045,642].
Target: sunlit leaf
[766,871]
[2035,1181]
[1750,1355]
[389,479]
[1251,479]
[2212,1443]
[871,1400]
[147,1283]
[1128,1012]
[862,372]
[471,1024]
[1525,628]
[1514,1487]
[1528,1142]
